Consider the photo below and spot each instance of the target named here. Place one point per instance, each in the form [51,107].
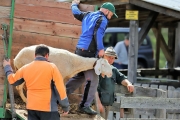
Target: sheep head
[103,67]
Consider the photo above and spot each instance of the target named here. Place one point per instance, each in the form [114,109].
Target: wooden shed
[50,22]
[155,15]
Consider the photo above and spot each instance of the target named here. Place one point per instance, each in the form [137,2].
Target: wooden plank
[6,3]
[48,28]
[170,92]
[121,89]
[156,8]
[4,12]
[99,2]
[64,5]
[150,102]
[144,91]
[140,91]
[161,113]
[45,13]
[142,111]
[26,38]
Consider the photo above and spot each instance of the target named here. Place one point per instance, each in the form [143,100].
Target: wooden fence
[147,102]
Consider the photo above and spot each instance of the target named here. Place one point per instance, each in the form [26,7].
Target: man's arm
[128,84]
[79,15]
[14,79]
[99,37]
[60,89]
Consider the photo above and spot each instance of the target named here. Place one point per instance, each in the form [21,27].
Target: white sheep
[69,64]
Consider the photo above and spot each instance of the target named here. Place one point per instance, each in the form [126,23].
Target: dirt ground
[73,113]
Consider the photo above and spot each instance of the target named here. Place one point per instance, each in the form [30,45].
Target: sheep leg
[20,91]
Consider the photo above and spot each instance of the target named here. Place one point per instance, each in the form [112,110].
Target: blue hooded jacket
[89,20]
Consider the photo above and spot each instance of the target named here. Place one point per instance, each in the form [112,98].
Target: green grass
[162,60]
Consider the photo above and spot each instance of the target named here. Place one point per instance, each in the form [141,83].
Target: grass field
[162,60]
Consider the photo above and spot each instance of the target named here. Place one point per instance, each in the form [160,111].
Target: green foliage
[162,60]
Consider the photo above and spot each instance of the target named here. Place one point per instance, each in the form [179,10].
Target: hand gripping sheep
[69,64]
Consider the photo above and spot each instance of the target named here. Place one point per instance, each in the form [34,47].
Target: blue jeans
[120,66]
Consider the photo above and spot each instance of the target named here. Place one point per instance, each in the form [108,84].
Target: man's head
[126,40]
[110,55]
[108,9]
[42,50]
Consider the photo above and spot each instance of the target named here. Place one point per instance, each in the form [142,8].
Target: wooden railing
[144,103]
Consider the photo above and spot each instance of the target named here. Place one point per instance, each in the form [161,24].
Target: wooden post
[171,45]
[161,113]
[157,32]
[177,47]
[133,51]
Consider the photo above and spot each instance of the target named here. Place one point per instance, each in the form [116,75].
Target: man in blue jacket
[90,44]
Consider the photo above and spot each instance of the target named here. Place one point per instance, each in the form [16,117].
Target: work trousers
[41,115]
[90,88]
[89,76]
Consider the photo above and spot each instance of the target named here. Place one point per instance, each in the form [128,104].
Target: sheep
[69,64]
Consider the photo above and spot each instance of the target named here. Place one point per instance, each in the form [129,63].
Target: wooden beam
[121,89]
[150,102]
[64,5]
[140,91]
[27,39]
[6,3]
[99,3]
[163,45]
[156,8]
[54,14]
[133,51]
[147,26]
[47,28]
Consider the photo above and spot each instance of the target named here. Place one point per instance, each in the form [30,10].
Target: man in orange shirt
[45,86]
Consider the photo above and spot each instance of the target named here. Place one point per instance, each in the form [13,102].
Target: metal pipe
[11,92]
[11,28]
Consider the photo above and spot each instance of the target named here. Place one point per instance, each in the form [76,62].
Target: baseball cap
[110,7]
[110,52]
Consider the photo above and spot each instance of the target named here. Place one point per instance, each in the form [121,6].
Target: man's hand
[65,113]
[6,62]
[130,88]
[101,53]
[76,2]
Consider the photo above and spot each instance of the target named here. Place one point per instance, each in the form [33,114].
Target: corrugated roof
[172,4]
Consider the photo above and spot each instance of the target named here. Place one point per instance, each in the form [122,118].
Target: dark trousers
[89,77]
[41,115]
